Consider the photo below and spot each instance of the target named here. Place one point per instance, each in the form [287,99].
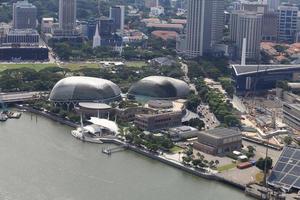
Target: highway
[18,96]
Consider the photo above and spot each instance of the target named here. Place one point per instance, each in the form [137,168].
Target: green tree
[288,140]
[260,164]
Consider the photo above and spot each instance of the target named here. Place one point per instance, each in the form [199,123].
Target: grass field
[136,64]
[71,66]
[176,149]
[35,66]
[226,167]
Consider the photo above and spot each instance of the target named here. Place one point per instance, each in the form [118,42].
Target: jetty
[109,150]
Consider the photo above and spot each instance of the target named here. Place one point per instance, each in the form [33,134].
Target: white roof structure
[110,125]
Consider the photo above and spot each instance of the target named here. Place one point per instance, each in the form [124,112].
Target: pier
[109,150]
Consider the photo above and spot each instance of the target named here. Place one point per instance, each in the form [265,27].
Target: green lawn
[176,149]
[36,66]
[137,64]
[78,66]
[71,66]
[226,167]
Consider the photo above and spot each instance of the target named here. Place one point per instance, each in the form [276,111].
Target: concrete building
[205,23]
[272,4]
[262,77]
[117,14]
[67,16]
[245,24]
[219,141]
[291,115]
[151,3]
[270,26]
[151,122]
[47,24]
[24,15]
[287,23]
[29,37]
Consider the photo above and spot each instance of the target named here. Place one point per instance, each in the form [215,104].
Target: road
[208,117]
[186,78]
[18,96]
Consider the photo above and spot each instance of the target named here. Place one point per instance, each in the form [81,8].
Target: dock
[109,150]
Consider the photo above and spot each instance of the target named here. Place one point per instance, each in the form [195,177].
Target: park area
[72,66]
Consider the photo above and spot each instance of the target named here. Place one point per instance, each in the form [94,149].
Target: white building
[47,24]
[96,38]
[156,11]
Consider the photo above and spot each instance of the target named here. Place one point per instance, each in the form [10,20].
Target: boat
[14,115]
[3,117]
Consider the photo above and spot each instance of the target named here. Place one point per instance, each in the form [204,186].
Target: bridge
[14,97]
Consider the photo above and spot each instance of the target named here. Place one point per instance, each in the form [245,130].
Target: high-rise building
[245,24]
[205,22]
[67,15]
[151,3]
[287,21]
[270,26]
[273,4]
[117,13]
[106,26]
[24,15]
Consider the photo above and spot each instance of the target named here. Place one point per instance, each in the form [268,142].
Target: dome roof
[160,87]
[79,88]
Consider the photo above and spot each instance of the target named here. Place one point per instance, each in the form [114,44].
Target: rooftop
[221,132]
[252,69]
[94,106]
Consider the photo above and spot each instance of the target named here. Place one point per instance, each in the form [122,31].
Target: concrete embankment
[196,172]
[48,115]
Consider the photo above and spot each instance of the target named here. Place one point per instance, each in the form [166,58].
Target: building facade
[246,24]
[270,26]
[272,4]
[24,15]
[151,122]
[23,36]
[117,14]
[287,23]
[291,115]
[219,141]
[67,15]
[205,22]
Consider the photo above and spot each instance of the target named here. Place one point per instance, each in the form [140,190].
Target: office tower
[273,4]
[67,15]
[205,22]
[106,26]
[254,6]
[287,23]
[245,24]
[117,14]
[270,26]
[151,3]
[24,15]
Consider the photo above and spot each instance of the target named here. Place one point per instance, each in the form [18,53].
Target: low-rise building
[219,141]
[291,115]
[182,133]
[151,122]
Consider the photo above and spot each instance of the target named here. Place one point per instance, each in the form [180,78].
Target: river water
[40,160]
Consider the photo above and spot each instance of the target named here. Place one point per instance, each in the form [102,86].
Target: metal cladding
[160,87]
[81,89]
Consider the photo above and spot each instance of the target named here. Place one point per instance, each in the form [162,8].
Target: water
[40,160]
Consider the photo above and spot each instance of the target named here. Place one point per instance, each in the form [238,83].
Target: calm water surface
[40,160]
